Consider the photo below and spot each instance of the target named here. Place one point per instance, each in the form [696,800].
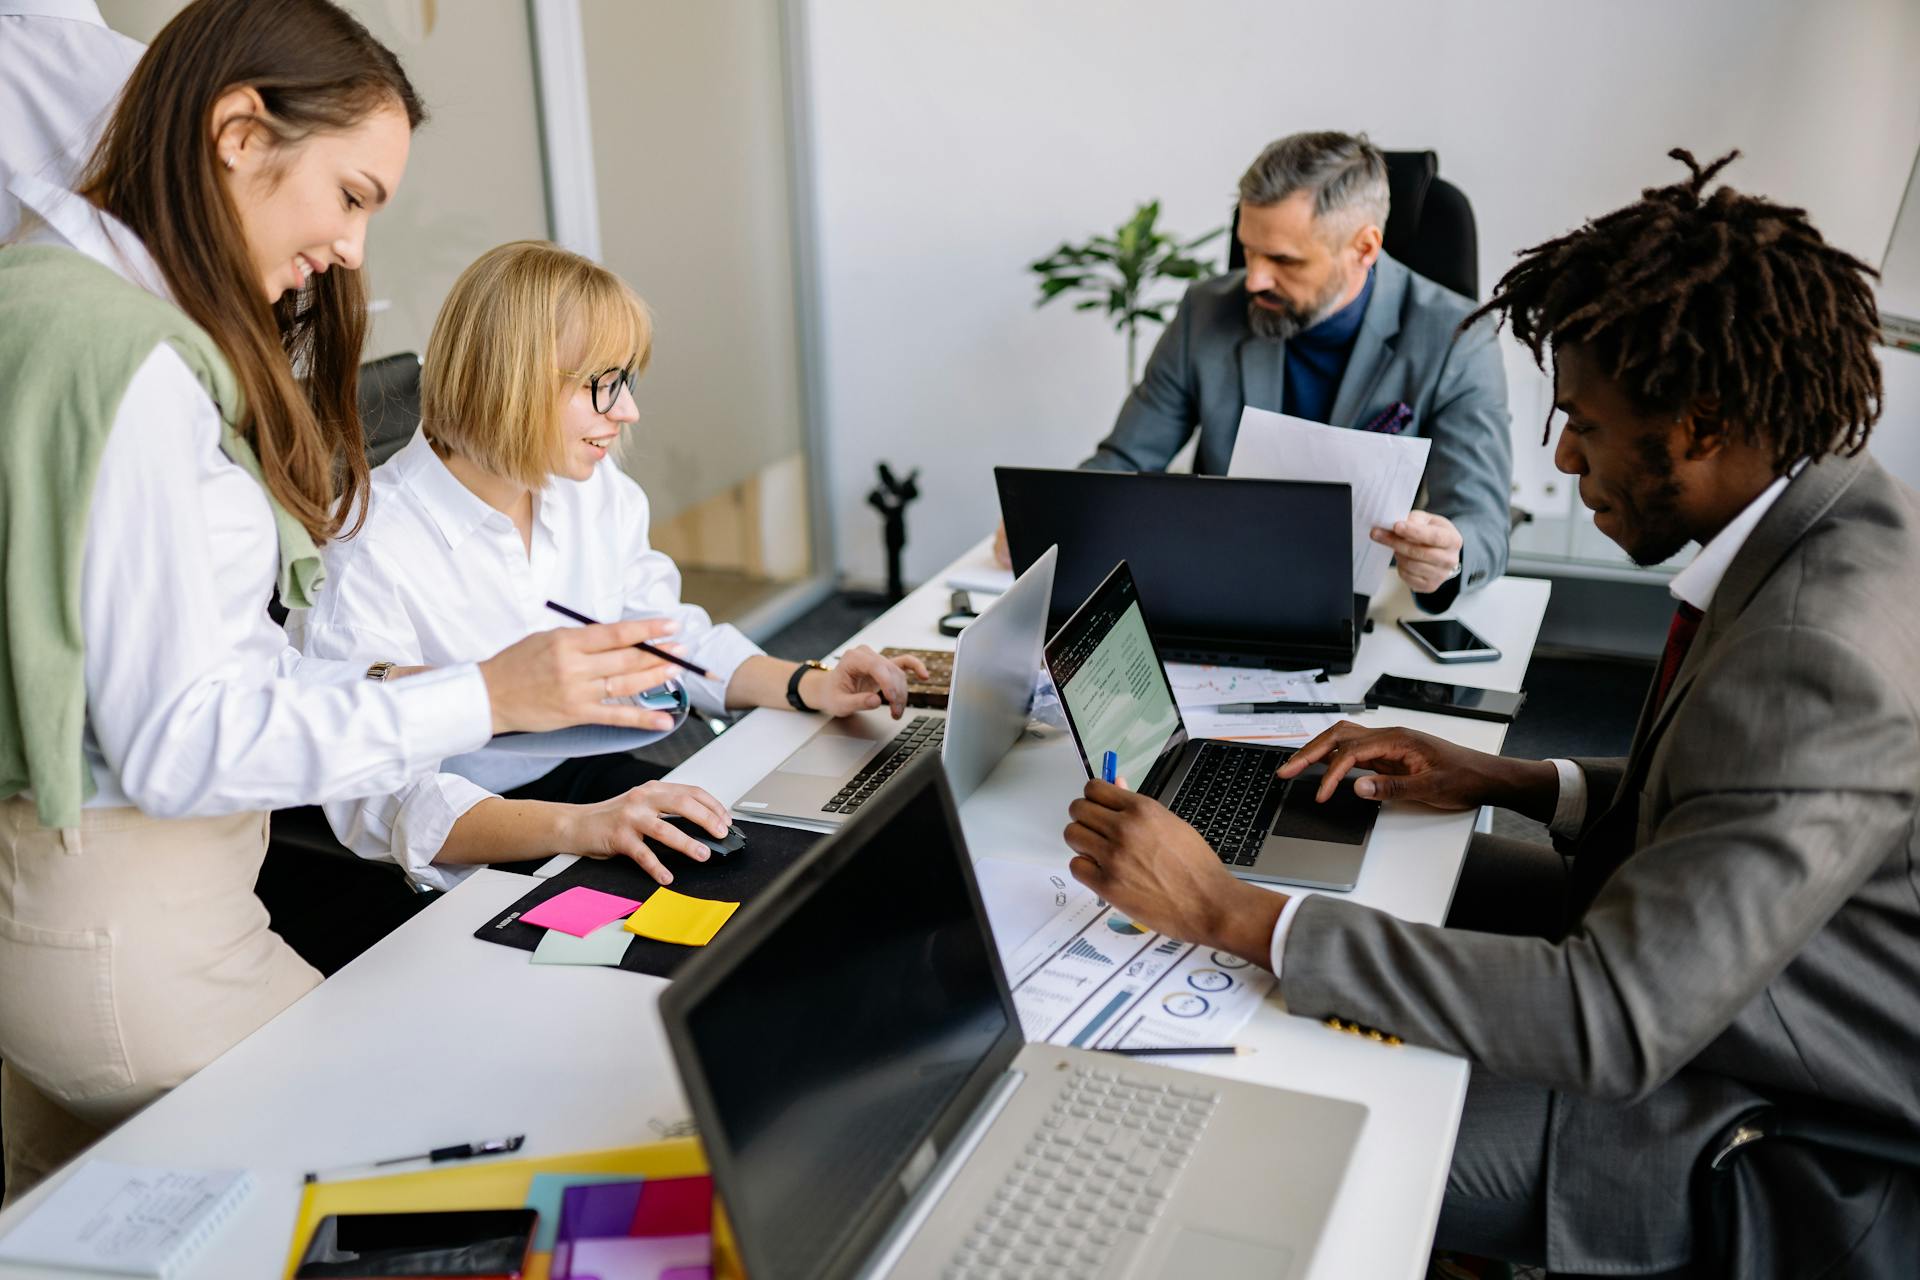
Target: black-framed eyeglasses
[606,385]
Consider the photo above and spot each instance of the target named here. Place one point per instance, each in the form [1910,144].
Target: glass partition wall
[659,137]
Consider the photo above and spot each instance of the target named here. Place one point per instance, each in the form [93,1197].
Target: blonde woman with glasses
[505,500]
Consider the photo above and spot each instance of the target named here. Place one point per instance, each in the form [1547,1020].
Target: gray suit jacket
[1745,918]
[1208,365]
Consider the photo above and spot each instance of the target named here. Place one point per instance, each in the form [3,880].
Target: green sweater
[72,335]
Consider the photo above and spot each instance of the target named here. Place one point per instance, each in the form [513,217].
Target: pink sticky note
[673,1207]
[579,911]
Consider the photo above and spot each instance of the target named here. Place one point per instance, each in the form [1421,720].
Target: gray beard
[1284,324]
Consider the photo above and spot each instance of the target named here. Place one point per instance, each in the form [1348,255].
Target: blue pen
[1109,766]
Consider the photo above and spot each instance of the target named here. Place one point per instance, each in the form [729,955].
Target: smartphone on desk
[1448,640]
[1449,699]
[466,1244]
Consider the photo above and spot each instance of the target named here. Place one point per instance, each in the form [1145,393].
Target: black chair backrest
[389,404]
[1429,227]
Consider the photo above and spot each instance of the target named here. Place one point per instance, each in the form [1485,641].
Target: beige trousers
[133,952]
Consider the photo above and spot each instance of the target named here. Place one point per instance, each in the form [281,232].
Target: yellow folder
[498,1184]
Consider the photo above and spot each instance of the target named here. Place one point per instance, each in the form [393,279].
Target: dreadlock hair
[1727,299]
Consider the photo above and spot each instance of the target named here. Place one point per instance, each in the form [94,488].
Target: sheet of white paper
[1385,472]
[1088,976]
[1199,687]
[987,580]
[1021,897]
[126,1220]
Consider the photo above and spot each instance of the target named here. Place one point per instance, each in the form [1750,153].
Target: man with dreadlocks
[1733,915]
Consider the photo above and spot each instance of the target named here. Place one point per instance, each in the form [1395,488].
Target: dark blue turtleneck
[1317,359]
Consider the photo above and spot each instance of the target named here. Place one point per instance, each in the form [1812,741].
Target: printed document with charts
[1384,470]
[1084,975]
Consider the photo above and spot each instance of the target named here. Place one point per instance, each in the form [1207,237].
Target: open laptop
[995,662]
[1241,572]
[853,1059]
[1114,690]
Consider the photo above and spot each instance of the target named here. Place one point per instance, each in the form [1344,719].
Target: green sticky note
[604,945]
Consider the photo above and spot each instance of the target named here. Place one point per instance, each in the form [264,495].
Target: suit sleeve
[1756,852]
[1470,466]
[1162,411]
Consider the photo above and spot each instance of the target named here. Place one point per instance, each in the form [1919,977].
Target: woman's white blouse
[438,577]
[196,704]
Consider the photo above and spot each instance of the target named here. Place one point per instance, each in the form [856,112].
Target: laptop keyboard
[1224,797]
[1231,797]
[1092,1183]
[920,733]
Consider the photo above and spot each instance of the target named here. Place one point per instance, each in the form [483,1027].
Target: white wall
[955,143]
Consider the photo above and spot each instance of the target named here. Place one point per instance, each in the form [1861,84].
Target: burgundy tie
[1680,633]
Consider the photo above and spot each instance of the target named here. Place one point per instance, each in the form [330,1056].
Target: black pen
[643,646]
[461,1151]
[1277,708]
[1171,1051]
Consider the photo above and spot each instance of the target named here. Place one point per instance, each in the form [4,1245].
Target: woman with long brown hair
[178,347]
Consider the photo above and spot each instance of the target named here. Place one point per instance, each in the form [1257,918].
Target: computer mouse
[734,841]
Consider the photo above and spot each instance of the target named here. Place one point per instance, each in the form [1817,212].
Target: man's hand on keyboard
[1161,874]
[1408,765]
[862,681]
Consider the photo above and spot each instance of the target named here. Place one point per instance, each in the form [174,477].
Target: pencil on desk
[643,646]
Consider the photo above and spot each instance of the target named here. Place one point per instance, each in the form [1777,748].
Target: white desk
[434,1037]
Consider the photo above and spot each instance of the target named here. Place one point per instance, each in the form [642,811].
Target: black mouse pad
[735,878]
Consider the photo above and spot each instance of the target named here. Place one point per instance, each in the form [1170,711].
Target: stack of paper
[1385,472]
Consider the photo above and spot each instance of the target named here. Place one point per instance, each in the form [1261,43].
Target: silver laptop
[1114,690]
[838,770]
[854,1062]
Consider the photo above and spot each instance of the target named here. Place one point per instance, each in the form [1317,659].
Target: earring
[229,162]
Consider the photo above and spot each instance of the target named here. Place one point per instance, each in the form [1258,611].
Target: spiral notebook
[123,1220]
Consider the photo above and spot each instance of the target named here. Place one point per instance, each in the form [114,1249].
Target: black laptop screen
[841,1040]
[1110,679]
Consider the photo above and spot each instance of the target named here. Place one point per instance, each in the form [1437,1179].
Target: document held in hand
[1384,470]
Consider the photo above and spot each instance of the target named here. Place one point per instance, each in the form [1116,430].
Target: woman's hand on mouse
[621,827]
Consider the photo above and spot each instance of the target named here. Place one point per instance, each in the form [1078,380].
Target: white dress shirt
[1694,585]
[196,704]
[436,576]
[61,68]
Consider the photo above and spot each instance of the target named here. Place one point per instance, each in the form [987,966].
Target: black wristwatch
[793,683]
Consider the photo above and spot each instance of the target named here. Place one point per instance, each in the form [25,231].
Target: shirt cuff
[425,820]
[446,712]
[1281,927]
[1570,809]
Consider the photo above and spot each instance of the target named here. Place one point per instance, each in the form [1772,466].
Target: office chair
[1430,224]
[389,404]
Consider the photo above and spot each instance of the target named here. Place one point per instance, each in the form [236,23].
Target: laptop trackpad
[830,755]
[1202,1253]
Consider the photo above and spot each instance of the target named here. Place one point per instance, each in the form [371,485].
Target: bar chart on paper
[1091,978]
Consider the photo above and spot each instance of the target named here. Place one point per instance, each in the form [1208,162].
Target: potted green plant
[1115,273]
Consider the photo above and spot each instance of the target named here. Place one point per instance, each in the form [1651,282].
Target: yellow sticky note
[667,916]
